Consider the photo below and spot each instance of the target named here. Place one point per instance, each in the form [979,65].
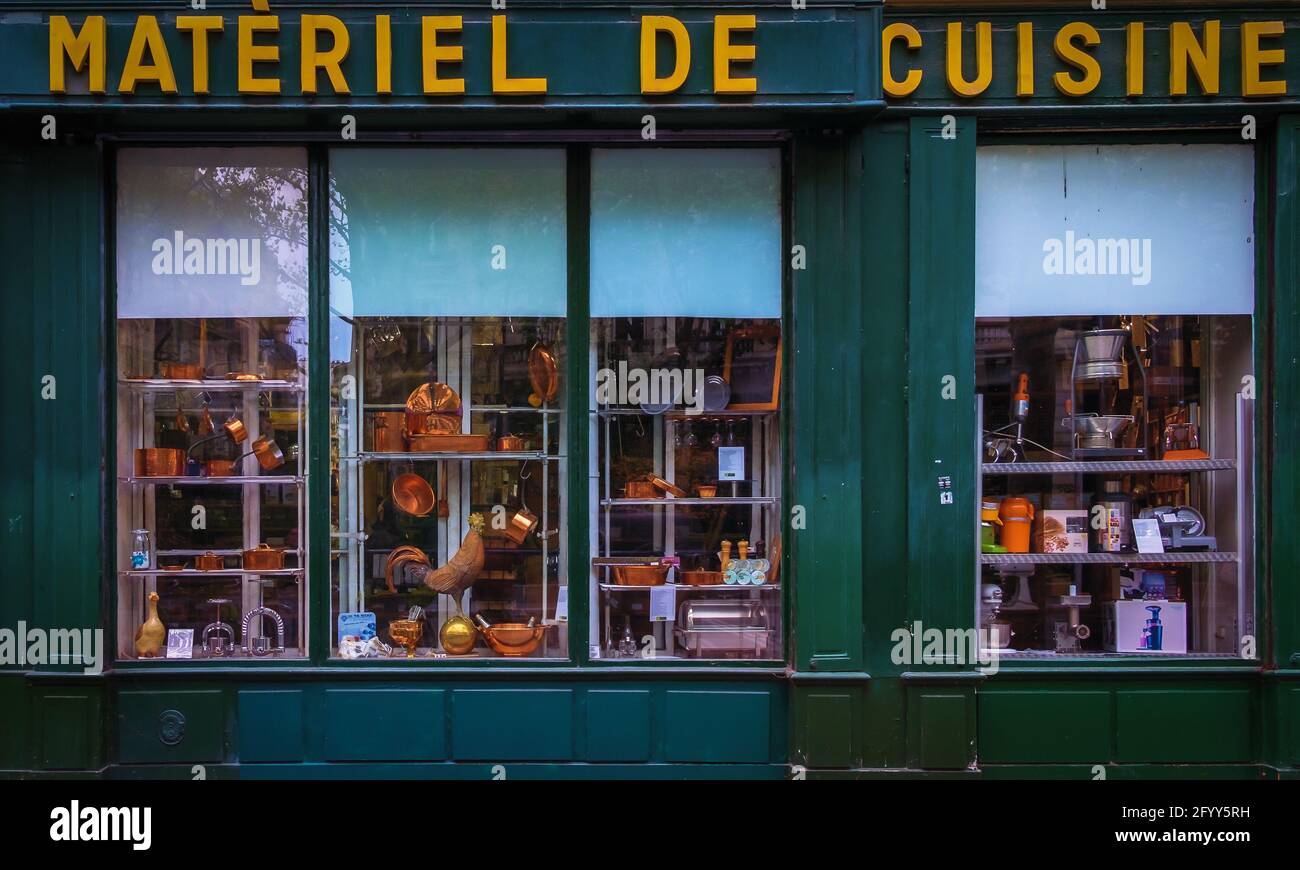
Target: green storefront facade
[879,430]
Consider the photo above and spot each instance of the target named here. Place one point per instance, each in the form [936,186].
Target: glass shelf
[224,572]
[1136,466]
[284,479]
[668,502]
[1011,559]
[165,385]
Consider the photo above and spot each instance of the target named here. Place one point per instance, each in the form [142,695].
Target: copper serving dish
[641,575]
[702,578]
[264,558]
[387,432]
[175,371]
[438,442]
[159,462]
[412,495]
[543,373]
[209,561]
[513,638]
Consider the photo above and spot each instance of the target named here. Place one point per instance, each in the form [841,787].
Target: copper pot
[209,561]
[702,578]
[412,495]
[174,371]
[387,435]
[511,444]
[268,453]
[522,522]
[159,462]
[264,558]
[235,430]
[220,467]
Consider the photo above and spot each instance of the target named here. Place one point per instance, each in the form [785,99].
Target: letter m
[87,48]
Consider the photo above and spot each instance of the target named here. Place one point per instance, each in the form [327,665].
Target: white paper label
[663,603]
[731,463]
[1147,535]
[180,643]
[562,605]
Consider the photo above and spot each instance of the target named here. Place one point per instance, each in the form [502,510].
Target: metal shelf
[678,415]
[194,572]
[502,455]
[215,481]
[1135,466]
[686,587]
[1106,558]
[668,501]
[215,385]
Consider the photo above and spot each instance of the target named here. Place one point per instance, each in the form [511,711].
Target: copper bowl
[413,495]
[174,371]
[513,638]
[704,491]
[159,462]
[209,561]
[264,558]
[640,575]
[702,578]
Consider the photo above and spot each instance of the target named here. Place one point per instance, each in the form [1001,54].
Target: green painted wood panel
[827,441]
[941,353]
[521,724]
[1284,479]
[941,728]
[1038,726]
[270,726]
[384,725]
[618,725]
[155,727]
[717,726]
[50,494]
[70,728]
[829,728]
[1183,725]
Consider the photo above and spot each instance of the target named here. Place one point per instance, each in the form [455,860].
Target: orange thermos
[1017,516]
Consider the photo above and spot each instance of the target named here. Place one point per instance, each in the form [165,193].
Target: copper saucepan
[209,561]
[264,558]
[175,371]
[268,453]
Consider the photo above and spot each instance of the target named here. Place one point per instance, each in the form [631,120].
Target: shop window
[685,418]
[1115,376]
[448,292]
[211,269]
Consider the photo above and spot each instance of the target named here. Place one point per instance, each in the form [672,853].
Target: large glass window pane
[447,343]
[686,420]
[1114,368]
[211,255]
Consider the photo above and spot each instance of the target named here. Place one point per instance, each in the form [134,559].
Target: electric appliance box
[1154,626]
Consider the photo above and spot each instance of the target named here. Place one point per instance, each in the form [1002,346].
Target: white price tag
[1146,533]
[180,643]
[562,605]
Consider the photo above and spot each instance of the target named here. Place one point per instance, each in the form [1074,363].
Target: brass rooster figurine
[463,568]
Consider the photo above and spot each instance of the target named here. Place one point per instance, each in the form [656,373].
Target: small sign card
[731,463]
[1146,533]
[663,603]
[562,605]
[180,643]
[361,625]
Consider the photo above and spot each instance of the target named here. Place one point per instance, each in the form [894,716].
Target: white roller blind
[456,232]
[1114,229]
[689,232]
[211,232]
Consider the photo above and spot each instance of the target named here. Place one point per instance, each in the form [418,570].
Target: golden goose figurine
[151,636]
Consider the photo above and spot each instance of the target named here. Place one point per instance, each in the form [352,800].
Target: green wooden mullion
[941,343]
[578,342]
[318,407]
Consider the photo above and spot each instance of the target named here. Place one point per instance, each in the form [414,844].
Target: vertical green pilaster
[578,341]
[941,352]
[317,490]
[827,442]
